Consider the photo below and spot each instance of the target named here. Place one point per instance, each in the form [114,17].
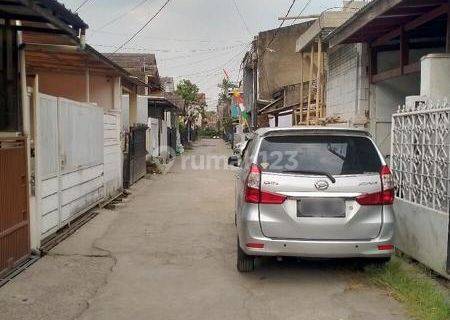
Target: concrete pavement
[168,252]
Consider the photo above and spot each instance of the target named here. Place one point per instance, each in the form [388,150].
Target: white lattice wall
[420,153]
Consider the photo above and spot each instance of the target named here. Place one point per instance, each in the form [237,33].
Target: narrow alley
[168,252]
[241,159]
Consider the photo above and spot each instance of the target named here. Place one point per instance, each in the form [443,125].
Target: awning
[381,19]
[166,101]
[48,16]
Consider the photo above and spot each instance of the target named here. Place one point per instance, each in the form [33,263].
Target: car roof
[312,129]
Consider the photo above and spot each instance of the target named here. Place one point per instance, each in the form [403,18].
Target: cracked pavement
[168,252]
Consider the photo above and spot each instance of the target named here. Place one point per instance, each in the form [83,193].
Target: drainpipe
[448,244]
[23,85]
[358,79]
[83,39]
[26,130]
[88,85]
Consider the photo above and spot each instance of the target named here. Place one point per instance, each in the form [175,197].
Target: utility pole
[254,120]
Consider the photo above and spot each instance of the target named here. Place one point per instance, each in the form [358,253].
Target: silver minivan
[312,192]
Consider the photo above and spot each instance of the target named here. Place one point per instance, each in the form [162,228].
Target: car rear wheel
[376,262]
[380,262]
[245,263]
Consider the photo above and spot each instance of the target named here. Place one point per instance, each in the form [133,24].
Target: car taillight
[253,193]
[271,198]
[385,196]
[385,247]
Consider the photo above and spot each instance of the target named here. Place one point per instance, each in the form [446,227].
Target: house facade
[326,71]
[19,226]
[60,122]
[270,68]
[401,68]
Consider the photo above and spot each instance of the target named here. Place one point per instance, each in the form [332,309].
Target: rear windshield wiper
[319,173]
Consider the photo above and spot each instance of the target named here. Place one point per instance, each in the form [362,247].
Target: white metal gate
[163,139]
[154,133]
[69,160]
[112,155]
[421,153]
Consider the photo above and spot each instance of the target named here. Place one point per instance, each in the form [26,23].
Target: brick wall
[347,88]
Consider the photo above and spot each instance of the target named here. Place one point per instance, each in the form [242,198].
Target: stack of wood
[312,103]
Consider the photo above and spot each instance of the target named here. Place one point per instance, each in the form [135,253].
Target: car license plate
[321,207]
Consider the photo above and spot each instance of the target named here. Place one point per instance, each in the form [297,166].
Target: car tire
[380,262]
[245,263]
[376,262]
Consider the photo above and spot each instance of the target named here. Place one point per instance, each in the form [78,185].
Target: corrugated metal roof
[43,14]
[380,17]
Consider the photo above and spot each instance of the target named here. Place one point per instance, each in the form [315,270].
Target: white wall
[435,71]
[133,108]
[347,88]
[349,95]
[113,165]
[142,110]
[153,146]
[283,121]
[125,113]
[385,97]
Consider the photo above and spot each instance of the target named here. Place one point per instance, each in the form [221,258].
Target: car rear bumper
[253,242]
[318,249]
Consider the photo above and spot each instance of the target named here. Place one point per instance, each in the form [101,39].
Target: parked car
[313,192]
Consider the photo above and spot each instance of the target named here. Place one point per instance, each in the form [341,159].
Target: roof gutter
[86,49]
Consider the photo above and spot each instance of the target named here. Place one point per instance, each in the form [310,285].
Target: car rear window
[337,155]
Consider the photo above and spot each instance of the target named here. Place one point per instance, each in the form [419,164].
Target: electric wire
[301,11]
[172,39]
[201,61]
[279,27]
[148,49]
[143,27]
[119,17]
[217,68]
[85,2]
[241,17]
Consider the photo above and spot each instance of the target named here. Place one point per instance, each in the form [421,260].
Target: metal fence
[421,153]
[172,141]
[14,213]
[135,166]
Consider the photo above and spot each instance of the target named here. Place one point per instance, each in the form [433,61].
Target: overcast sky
[192,39]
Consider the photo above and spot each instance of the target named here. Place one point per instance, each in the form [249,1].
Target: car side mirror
[233,161]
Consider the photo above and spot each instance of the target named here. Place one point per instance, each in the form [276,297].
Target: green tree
[224,87]
[188,91]
[190,94]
